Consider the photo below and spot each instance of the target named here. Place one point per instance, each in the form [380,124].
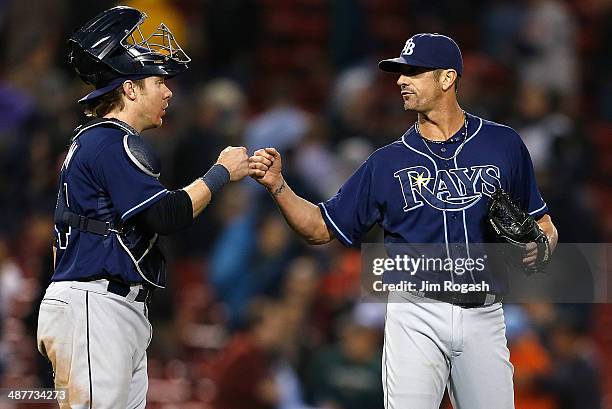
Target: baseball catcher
[93,323]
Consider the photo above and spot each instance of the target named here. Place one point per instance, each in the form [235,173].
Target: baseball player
[430,186]
[111,209]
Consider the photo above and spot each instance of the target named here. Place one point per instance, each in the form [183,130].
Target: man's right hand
[303,216]
[236,161]
[265,167]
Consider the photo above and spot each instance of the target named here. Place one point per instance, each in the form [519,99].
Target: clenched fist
[265,167]
[236,161]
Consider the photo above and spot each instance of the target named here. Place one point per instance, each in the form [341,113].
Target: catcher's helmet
[110,49]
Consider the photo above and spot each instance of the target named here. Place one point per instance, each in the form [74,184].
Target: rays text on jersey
[452,189]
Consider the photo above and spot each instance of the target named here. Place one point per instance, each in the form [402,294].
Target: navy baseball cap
[428,50]
[105,89]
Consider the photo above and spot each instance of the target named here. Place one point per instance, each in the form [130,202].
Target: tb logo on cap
[409,47]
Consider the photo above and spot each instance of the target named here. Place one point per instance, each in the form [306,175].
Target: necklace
[425,140]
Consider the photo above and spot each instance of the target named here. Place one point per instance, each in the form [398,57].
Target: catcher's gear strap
[86,224]
[174,212]
[139,152]
[112,122]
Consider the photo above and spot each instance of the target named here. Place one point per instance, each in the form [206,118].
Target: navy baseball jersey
[417,197]
[101,182]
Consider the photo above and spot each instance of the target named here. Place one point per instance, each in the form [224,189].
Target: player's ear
[128,90]
[448,78]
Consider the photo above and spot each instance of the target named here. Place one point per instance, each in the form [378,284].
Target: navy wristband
[216,177]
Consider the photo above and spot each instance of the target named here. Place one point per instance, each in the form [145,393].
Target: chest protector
[141,246]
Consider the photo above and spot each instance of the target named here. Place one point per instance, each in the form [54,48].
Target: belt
[463,300]
[144,294]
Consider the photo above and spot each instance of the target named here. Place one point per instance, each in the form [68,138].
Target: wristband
[216,177]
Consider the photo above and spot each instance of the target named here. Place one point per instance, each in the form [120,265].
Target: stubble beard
[409,106]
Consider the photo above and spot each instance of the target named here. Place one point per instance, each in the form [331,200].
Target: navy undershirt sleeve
[172,213]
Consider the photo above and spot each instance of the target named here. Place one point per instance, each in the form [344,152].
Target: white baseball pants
[96,342]
[430,346]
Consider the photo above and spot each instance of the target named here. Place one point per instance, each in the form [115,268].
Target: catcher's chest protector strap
[83,223]
[136,148]
[115,123]
[87,224]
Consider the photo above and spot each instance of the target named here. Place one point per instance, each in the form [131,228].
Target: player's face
[420,89]
[154,98]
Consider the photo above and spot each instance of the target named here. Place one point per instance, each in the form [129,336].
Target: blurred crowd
[253,318]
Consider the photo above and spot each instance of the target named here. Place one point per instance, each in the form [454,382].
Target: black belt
[464,300]
[144,294]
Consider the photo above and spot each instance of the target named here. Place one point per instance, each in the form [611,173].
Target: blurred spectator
[352,152]
[348,37]
[575,378]
[502,22]
[481,86]
[12,280]
[216,122]
[201,322]
[249,259]
[603,62]
[561,160]
[342,283]
[243,373]
[548,43]
[352,104]
[299,301]
[282,124]
[290,388]
[230,33]
[347,375]
[324,178]
[530,360]
[540,126]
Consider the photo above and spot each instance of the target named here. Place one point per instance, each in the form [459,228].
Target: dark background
[253,317]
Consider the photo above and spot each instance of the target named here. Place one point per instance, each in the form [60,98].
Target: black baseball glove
[512,225]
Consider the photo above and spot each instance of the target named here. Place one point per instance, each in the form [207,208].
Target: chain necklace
[425,140]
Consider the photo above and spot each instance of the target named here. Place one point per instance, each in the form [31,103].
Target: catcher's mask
[111,48]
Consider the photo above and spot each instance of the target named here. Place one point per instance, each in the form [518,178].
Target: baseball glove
[512,225]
